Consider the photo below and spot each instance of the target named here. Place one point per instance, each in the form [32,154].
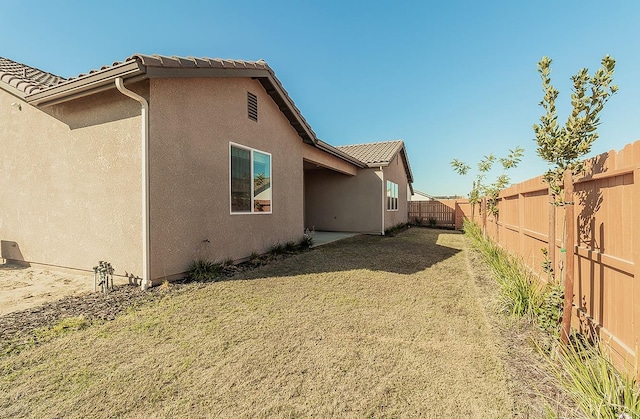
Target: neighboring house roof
[40,88]
[418,194]
[379,154]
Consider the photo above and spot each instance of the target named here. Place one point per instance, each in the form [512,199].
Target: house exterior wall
[193,122]
[337,202]
[70,193]
[396,173]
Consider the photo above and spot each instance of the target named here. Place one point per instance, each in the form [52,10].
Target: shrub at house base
[203,270]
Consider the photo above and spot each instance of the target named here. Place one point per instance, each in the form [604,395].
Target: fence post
[484,217]
[552,235]
[521,220]
[569,252]
[635,222]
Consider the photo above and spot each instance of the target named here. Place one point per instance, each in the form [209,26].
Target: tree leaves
[564,146]
[460,167]
[490,191]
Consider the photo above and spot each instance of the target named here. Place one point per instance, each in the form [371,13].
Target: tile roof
[174,61]
[30,80]
[379,154]
[26,79]
[373,153]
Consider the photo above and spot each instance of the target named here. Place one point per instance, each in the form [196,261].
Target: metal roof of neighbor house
[424,194]
[379,154]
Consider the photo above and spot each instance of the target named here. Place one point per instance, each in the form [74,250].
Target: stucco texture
[193,122]
[71,190]
[395,172]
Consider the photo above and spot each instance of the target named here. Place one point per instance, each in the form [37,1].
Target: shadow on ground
[409,252]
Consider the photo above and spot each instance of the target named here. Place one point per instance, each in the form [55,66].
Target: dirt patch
[24,288]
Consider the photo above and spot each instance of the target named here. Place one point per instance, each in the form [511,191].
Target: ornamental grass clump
[592,381]
[305,242]
[520,293]
[204,270]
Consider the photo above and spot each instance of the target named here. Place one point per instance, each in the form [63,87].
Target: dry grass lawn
[366,327]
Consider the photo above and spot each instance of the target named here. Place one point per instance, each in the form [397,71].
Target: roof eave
[378,164]
[274,89]
[87,85]
[12,90]
[203,72]
[407,165]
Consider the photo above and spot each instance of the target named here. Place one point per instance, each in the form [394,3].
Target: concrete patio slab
[324,237]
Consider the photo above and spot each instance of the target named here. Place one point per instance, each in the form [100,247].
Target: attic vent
[252,106]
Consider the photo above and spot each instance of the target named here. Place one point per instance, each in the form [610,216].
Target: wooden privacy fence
[442,213]
[433,213]
[607,248]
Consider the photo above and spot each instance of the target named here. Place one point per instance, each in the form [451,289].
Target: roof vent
[252,106]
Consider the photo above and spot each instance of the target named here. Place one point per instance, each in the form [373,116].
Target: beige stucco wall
[396,172]
[337,202]
[192,123]
[70,193]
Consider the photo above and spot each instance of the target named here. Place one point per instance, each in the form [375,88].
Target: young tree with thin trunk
[490,191]
[565,147]
[487,195]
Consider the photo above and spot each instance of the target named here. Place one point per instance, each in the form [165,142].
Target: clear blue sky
[453,79]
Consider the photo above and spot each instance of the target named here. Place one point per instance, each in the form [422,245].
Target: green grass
[365,327]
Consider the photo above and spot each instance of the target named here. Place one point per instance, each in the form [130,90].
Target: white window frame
[252,211]
[392,196]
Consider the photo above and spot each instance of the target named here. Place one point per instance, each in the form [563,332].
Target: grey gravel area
[93,306]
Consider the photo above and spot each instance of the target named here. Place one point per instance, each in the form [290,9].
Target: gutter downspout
[384,196]
[145,282]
